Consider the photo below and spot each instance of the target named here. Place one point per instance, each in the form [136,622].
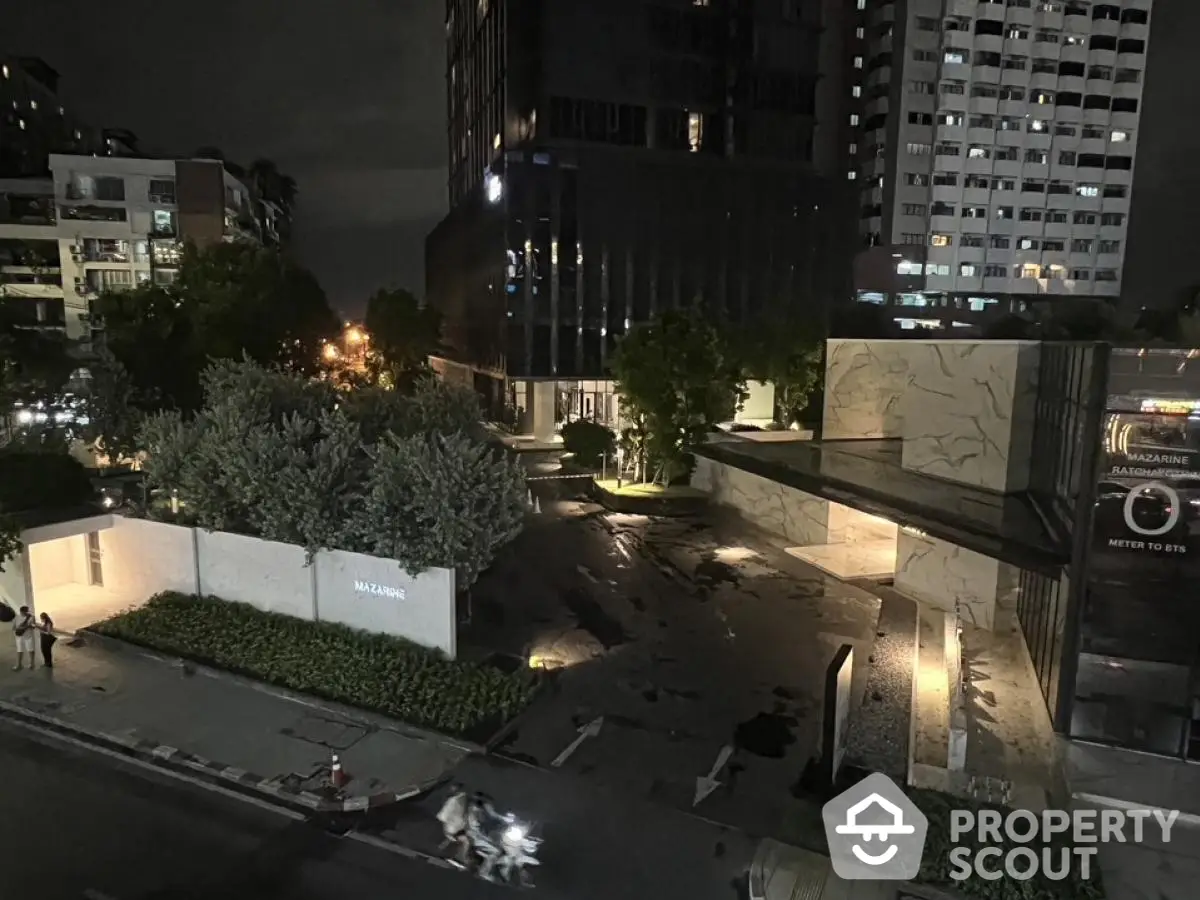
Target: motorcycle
[506,850]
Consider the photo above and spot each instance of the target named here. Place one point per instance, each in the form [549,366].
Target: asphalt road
[75,822]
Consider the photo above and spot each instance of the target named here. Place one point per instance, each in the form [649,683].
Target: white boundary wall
[142,558]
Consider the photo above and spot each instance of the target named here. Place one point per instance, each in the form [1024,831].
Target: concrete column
[539,406]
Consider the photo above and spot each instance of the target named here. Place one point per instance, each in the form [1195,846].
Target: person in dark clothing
[48,637]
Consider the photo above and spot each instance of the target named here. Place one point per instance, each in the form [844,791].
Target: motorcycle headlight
[515,834]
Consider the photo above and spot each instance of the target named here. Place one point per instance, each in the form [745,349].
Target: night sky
[347,96]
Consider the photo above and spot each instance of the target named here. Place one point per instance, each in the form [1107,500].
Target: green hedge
[376,672]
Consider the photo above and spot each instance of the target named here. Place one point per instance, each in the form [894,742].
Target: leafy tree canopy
[403,336]
[862,320]
[786,352]
[41,479]
[589,441]
[230,300]
[10,539]
[113,413]
[277,455]
[677,379]
[34,364]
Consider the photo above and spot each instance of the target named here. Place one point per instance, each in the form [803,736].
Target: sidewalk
[224,727]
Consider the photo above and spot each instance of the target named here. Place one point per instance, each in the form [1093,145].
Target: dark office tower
[609,159]
[33,123]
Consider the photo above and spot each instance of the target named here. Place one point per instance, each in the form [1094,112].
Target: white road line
[399,850]
[178,776]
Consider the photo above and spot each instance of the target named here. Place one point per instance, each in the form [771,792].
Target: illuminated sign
[1171,407]
[378,590]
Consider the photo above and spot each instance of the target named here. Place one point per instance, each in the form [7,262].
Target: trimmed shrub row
[375,672]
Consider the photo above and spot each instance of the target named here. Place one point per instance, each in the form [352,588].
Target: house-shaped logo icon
[875,832]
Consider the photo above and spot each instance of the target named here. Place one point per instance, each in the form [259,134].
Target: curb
[172,758]
[544,679]
[344,710]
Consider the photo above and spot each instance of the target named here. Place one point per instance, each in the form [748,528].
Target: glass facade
[1137,684]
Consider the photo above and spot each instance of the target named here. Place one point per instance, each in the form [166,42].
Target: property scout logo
[875,832]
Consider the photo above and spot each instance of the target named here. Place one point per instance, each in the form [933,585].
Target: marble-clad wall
[802,518]
[939,573]
[968,411]
[849,526]
[795,515]
[963,409]
[864,383]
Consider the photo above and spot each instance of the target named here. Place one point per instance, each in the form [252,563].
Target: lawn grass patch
[375,672]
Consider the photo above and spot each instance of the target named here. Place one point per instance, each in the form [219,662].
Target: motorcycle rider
[482,822]
[454,815]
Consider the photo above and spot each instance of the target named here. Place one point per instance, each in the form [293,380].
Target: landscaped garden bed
[375,672]
[648,499]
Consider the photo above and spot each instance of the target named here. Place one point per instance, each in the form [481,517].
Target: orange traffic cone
[337,775]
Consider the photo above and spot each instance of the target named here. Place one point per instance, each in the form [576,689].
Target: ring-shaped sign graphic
[1155,487]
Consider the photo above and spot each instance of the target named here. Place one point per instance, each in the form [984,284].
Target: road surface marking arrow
[706,784]
[590,730]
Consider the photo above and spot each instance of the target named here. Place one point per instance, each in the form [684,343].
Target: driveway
[685,637]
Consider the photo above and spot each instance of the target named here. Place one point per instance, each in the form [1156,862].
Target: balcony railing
[48,278]
[94,213]
[27,211]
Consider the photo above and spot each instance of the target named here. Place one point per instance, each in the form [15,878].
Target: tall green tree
[150,333]
[403,336]
[231,300]
[677,377]
[34,364]
[112,411]
[786,352]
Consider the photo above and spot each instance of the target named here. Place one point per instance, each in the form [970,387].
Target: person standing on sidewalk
[48,637]
[23,628]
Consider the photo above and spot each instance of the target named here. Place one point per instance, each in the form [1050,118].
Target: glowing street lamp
[355,336]
[331,352]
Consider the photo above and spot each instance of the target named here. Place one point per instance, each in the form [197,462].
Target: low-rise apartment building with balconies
[110,223]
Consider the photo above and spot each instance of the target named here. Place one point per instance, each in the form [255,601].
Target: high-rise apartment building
[995,152]
[609,159]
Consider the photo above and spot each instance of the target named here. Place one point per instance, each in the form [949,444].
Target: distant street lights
[348,352]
